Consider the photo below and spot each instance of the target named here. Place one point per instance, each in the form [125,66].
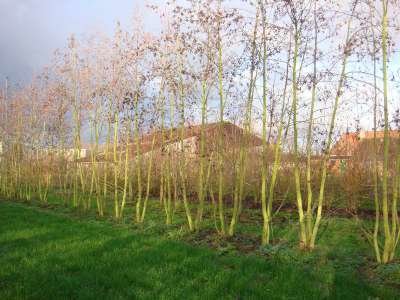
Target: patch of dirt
[243,243]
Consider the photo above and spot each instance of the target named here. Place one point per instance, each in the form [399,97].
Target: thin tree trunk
[303,233]
[221,209]
[309,217]
[375,168]
[385,211]
[116,165]
[328,142]
[138,163]
[267,215]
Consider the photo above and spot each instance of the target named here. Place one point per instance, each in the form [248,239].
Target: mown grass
[56,254]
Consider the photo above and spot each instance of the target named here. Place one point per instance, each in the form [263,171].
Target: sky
[30,30]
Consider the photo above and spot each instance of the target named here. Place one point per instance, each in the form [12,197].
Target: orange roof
[379,134]
[349,142]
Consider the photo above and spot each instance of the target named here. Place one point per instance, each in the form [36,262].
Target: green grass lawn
[47,254]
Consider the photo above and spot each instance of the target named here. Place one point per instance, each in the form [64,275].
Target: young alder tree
[310,223]
[391,230]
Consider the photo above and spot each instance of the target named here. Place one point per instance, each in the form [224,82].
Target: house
[69,154]
[169,141]
[358,148]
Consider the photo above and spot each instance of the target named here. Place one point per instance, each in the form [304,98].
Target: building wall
[70,154]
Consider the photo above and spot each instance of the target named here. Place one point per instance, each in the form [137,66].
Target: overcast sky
[30,30]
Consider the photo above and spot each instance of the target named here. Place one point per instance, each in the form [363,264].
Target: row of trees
[284,70]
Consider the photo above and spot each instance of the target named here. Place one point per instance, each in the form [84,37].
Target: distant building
[358,147]
[169,141]
[233,136]
[69,154]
